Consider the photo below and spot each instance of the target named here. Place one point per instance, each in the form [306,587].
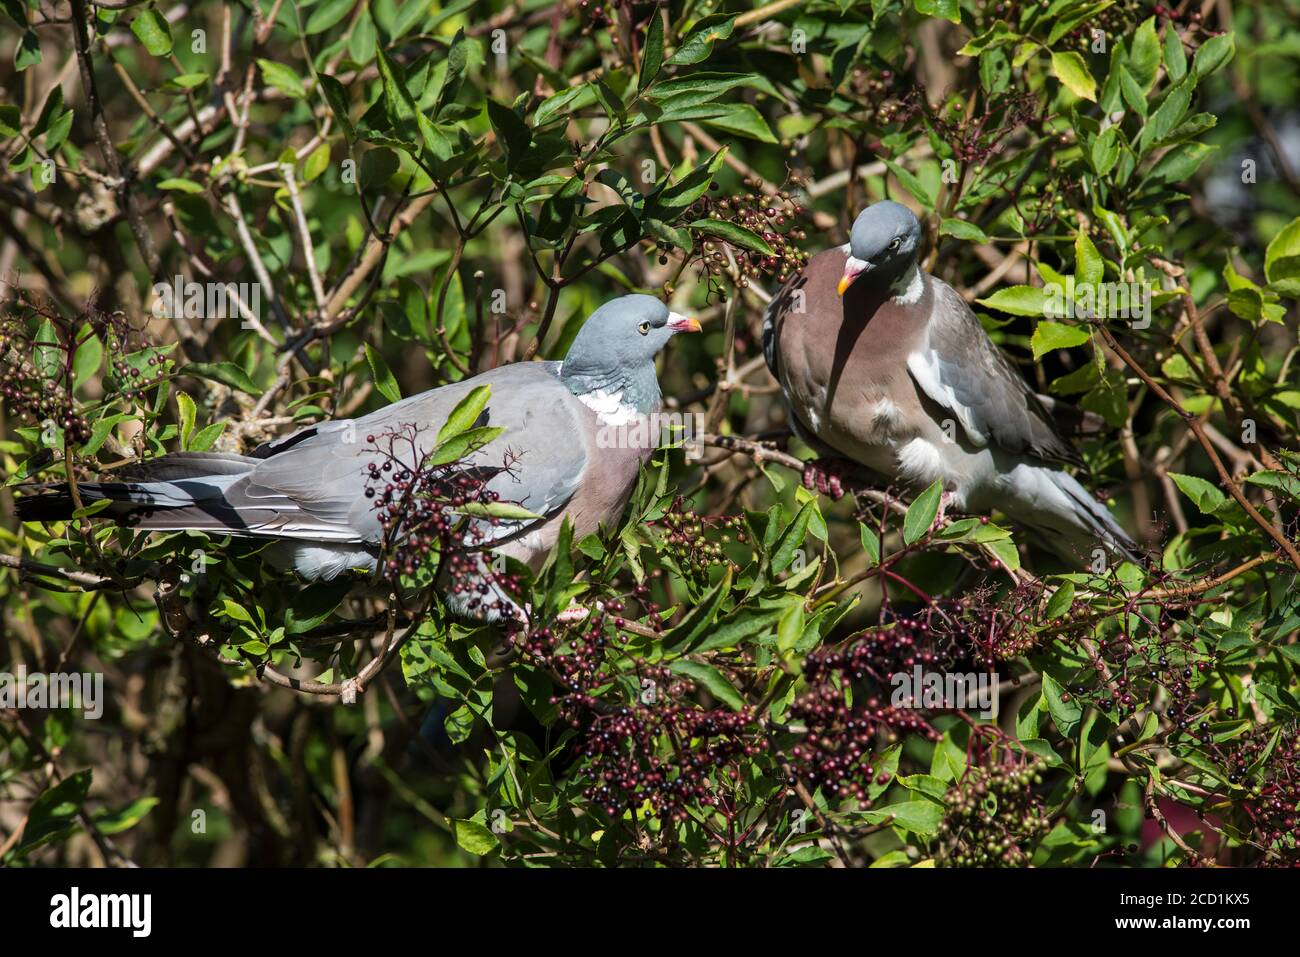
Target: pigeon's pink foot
[945,499]
[827,476]
[573,614]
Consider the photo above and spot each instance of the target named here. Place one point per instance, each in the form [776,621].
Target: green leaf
[922,512]
[28,51]
[115,822]
[206,436]
[233,609]
[922,817]
[743,120]
[338,102]
[512,132]
[1061,602]
[227,373]
[961,229]
[790,627]
[466,413]
[54,813]
[564,103]
[1213,53]
[1072,71]
[688,189]
[474,837]
[1019,301]
[1175,56]
[318,160]
[652,53]
[378,167]
[186,81]
[791,539]
[1207,496]
[701,616]
[152,30]
[911,183]
[713,680]
[11,119]
[1144,55]
[385,382]
[998,35]
[1179,164]
[926,784]
[1282,257]
[508,510]
[698,42]
[187,410]
[736,235]
[283,78]
[1089,268]
[870,543]
[1105,150]
[1170,113]
[947,9]
[330,12]
[177,185]
[1055,335]
[1065,714]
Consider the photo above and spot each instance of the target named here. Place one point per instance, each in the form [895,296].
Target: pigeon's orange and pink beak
[852,270]
[680,323]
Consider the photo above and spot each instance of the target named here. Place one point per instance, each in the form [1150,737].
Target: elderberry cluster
[995,627]
[1125,670]
[577,656]
[422,509]
[1269,768]
[669,757]
[978,137]
[595,16]
[661,751]
[38,348]
[773,218]
[995,817]
[847,707]
[880,90]
[698,542]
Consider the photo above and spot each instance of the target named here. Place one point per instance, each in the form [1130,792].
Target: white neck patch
[610,407]
[909,286]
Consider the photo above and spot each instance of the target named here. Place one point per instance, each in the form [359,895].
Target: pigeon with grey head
[570,435]
[884,365]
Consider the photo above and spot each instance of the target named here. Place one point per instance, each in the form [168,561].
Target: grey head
[883,245]
[615,349]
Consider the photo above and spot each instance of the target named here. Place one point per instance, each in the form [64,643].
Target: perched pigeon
[570,441]
[886,366]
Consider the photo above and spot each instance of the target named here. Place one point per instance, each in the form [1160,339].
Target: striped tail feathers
[169,484]
[1096,524]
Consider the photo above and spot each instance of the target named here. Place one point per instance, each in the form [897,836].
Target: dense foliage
[425,191]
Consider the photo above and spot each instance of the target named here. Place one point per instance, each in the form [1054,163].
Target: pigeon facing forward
[886,366]
[307,491]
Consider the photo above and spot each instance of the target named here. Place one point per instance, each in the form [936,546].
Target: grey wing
[773,316]
[961,369]
[312,483]
[769,337]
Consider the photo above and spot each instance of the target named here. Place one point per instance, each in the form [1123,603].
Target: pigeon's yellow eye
[644,328]
[894,244]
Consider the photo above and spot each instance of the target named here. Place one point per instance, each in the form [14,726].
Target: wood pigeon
[886,366]
[570,433]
